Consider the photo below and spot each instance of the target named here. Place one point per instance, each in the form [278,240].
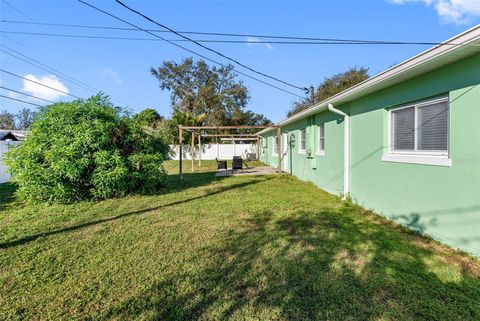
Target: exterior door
[285,152]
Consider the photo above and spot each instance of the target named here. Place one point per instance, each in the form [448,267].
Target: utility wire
[85,85]
[38,83]
[46,68]
[309,39]
[21,93]
[23,101]
[305,89]
[22,44]
[25,15]
[189,50]
[336,42]
[41,25]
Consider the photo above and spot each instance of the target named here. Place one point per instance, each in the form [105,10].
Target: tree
[25,118]
[7,120]
[86,149]
[197,88]
[187,119]
[331,86]
[147,117]
[250,118]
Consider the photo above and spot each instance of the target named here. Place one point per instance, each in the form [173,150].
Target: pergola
[196,130]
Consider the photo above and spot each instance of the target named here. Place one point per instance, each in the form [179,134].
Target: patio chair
[221,164]
[237,163]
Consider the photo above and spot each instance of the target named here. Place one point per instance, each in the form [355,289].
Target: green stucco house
[404,143]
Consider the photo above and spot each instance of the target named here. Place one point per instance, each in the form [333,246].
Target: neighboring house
[12,135]
[404,143]
[8,138]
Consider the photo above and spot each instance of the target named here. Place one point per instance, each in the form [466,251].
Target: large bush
[86,149]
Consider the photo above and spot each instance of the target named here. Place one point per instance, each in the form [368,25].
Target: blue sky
[121,68]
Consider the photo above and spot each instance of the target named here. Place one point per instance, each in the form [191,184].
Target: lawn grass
[239,248]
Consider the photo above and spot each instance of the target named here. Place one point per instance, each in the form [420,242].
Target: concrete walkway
[261,170]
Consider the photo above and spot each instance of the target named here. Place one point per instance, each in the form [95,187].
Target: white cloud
[112,74]
[254,41]
[44,92]
[450,11]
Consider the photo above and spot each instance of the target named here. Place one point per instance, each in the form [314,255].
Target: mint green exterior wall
[326,171]
[441,201]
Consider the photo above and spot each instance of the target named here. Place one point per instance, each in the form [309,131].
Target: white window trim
[320,152]
[439,158]
[300,150]
[418,159]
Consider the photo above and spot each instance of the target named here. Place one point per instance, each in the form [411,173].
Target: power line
[189,50]
[253,42]
[24,14]
[85,36]
[22,44]
[85,85]
[21,93]
[191,32]
[44,67]
[305,89]
[73,80]
[38,83]
[33,21]
[23,101]
[309,39]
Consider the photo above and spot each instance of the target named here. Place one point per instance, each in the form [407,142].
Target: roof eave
[409,65]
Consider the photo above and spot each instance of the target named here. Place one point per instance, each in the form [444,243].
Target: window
[303,141]
[420,129]
[321,140]
[275,145]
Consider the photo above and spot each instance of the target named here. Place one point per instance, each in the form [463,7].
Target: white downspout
[346,150]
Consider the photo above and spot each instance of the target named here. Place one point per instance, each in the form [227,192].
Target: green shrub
[146,176]
[111,175]
[86,149]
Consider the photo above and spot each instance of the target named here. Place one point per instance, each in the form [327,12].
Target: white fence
[212,151]
[4,147]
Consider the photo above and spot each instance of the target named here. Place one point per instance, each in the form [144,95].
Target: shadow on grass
[7,194]
[190,180]
[312,266]
[197,179]
[194,180]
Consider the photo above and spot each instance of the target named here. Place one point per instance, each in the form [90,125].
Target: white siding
[4,147]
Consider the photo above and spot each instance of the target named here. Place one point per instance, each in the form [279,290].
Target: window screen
[433,126]
[321,137]
[422,127]
[404,129]
[303,139]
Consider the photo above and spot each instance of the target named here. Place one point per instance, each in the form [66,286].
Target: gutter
[346,150]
